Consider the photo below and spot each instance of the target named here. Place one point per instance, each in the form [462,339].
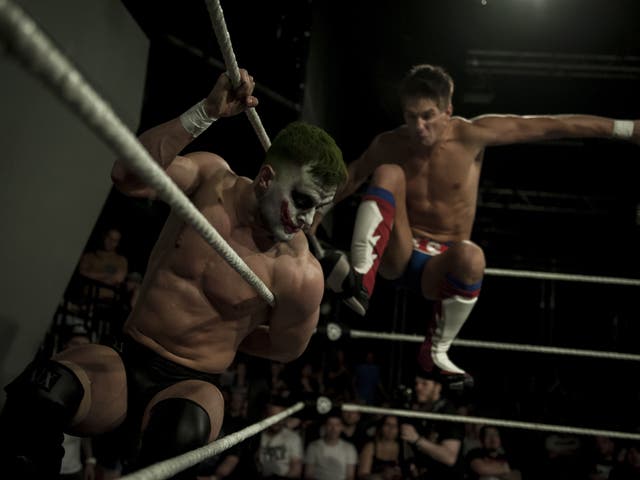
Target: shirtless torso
[195,309]
[441,181]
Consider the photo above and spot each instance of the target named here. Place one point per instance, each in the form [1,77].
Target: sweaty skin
[195,309]
[442,181]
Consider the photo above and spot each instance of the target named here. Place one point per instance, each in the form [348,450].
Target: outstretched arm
[299,290]
[164,142]
[489,130]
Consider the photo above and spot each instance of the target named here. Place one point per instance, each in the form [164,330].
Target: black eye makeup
[302,201]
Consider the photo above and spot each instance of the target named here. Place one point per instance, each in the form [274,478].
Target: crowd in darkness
[339,444]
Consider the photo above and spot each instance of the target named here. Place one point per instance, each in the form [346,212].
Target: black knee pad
[176,426]
[48,390]
[40,404]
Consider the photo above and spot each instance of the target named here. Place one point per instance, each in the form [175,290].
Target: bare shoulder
[468,131]
[460,125]
[392,138]
[299,273]
[388,143]
[208,163]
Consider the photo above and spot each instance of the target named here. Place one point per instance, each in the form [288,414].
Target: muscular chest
[444,174]
[211,277]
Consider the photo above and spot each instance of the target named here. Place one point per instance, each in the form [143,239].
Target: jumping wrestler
[415,219]
[194,311]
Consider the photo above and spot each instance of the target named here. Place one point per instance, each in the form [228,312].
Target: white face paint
[290,202]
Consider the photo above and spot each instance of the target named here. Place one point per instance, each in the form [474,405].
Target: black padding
[176,426]
[40,404]
[50,387]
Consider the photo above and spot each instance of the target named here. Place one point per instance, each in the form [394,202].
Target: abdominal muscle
[443,224]
[177,320]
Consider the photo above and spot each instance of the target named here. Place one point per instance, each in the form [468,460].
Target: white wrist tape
[622,128]
[195,120]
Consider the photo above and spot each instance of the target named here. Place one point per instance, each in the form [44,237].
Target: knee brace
[176,425]
[40,404]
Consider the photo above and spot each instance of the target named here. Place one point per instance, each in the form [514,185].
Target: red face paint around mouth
[285,218]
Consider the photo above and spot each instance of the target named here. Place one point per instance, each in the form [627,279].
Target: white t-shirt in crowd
[330,462]
[276,451]
[71,462]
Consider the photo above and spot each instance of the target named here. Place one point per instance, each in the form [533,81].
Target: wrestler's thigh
[103,377]
[400,247]
[433,275]
[465,260]
[203,393]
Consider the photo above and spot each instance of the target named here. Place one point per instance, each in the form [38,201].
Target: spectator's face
[333,428]
[273,410]
[350,418]
[426,390]
[389,429]
[605,445]
[633,456]
[491,440]
[112,240]
[237,402]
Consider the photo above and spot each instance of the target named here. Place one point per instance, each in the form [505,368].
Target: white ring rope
[351,407]
[568,277]
[172,466]
[38,54]
[224,41]
[515,347]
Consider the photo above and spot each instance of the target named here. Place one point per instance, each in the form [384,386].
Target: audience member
[471,439]
[105,264]
[490,461]
[330,457]
[602,458]
[278,384]
[310,384]
[339,385]
[384,458]
[78,462]
[367,380]
[564,457]
[226,464]
[354,430]
[436,445]
[629,469]
[280,450]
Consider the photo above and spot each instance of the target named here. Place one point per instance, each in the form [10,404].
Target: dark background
[567,206]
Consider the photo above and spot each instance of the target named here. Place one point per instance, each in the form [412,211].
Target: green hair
[300,143]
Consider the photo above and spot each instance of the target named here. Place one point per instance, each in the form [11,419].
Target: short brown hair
[428,81]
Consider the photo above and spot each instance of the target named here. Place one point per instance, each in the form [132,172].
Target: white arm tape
[622,128]
[195,120]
